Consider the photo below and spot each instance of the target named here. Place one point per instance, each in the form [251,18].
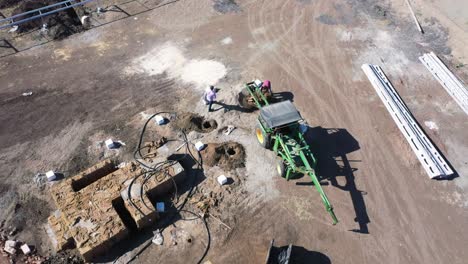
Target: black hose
[207,232]
[158,168]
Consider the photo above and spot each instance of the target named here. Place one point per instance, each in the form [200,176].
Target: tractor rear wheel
[280,168]
[245,100]
[263,138]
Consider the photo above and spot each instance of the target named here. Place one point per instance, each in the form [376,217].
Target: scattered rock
[431,125]
[174,237]
[40,180]
[150,148]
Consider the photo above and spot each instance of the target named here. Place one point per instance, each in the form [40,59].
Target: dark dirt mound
[244,100]
[8,3]
[228,156]
[226,6]
[194,122]
[60,25]
[65,257]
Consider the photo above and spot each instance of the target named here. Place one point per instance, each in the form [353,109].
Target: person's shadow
[330,147]
[228,107]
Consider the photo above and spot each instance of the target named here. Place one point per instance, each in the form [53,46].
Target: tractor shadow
[330,147]
[283,96]
[298,255]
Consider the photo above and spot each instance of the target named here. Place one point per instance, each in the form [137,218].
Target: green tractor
[281,128]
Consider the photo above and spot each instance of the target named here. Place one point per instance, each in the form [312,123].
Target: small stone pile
[18,252]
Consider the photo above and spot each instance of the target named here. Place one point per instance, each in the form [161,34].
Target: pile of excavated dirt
[228,156]
[65,257]
[60,25]
[8,3]
[194,122]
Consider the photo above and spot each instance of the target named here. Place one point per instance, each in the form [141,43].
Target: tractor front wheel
[263,138]
[280,169]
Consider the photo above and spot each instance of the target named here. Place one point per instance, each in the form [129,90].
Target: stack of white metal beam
[430,158]
[447,79]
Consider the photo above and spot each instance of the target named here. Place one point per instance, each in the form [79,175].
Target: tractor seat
[280,114]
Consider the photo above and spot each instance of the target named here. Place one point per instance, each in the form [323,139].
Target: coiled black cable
[158,168]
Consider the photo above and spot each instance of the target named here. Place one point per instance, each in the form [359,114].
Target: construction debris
[221,222]
[222,180]
[159,120]
[57,25]
[160,207]
[414,17]
[151,148]
[447,79]
[199,146]
[91,205]
[432,161]
[158,239]
[10,243]
[10,247]
[204,202]
[25,248]
[109,143]
[228,130]
[51,175]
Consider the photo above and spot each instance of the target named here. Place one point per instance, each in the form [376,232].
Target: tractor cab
[279,115]
[279,118]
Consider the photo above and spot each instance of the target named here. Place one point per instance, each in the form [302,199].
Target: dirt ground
[105,82]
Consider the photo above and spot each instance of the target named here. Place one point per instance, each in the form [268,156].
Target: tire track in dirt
[392,204]
[332,92]
[251,249]
[287,42]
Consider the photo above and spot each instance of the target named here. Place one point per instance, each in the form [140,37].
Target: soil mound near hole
[228,156]
[60,25]
[194,122]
